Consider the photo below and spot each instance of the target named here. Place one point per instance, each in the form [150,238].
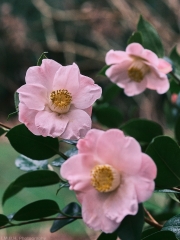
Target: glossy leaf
[107,236]
[43,56]
[142,130]
[173,225]
[72,209]
[148,232]
[103,70]
[16,100]
[110,92]
[59,161]
[162,235]
[131,227]
[26,164]
[108,116]
[151,39]
[71,142]
[39,209]
[177,129]
[135,37]
[3,220]
[175,57]
[37,178]
[30,145]
[166,191]
[166,154]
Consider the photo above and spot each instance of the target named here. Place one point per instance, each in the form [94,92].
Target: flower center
[60,101]
[105,178]
[137,70]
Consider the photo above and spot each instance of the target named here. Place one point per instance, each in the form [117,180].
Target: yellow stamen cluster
[137,70]
[60,101]
[104,178]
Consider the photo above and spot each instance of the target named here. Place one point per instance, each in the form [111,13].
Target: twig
[5,126]
[158,226]
[151,221]
[40,220]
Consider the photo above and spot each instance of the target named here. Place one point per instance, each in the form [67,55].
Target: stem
[40,220]
[151,221]
[5,126]
[175,77]
[156,225]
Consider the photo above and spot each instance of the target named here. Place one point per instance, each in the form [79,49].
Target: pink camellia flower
[57,101]
[110,176]
[137,69]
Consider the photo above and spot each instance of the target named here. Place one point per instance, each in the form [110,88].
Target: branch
[4,126]
[151,221]
[40,220]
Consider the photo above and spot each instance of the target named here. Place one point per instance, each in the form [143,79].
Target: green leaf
[131,227]
[30,145]
[142,130]
[135,37]
[16,101]
[107,236]
[173,225]
[148,232]
[72,209]
[26,164]
[162,235]
[111,92]
[102,72]
[151,39]
[59,161]
[37,178]
[39,209]
[43,56]
[177,130]
[166,191]
[166,154]
[3,220]
[71,142]
[108,116]
[175,57]
[174,87]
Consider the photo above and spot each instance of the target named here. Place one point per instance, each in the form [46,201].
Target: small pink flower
[57,100]
[137,69]
[110,176]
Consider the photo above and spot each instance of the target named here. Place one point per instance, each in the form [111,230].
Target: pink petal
[67,77]
[87,93]
[93,212]
[27,116]
[121,202]
[150,56]
[34,96]
[143,181]
[77,170]
[88,111]
[113,57]
[133,88]
[123,153]
[87,145]
[79,124]
[43,74]
[118,73]
[50,123]
[157,81]
[135,49]
[164,66]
